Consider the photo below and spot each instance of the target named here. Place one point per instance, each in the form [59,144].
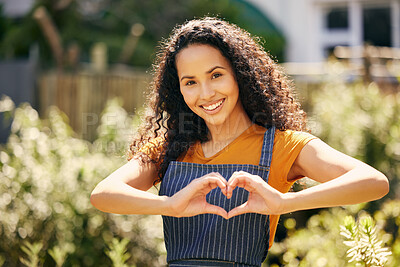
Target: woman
[226,140]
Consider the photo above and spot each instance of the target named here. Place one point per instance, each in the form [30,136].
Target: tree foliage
[86,22]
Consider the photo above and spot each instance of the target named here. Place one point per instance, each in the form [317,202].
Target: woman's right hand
[191,200]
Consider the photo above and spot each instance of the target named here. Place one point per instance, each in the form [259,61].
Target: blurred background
[73,83]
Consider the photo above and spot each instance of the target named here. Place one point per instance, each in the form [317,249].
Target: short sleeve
[287,146]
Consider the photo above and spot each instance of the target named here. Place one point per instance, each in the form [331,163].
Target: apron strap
[268,144]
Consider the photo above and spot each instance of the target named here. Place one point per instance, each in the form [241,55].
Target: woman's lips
[213,108]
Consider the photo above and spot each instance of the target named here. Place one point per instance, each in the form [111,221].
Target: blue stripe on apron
[242,239]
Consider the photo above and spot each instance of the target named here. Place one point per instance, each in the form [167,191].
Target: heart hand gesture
[262,199]
[191,200]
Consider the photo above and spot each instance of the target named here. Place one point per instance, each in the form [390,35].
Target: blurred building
[16,8]
[312,28]
[17,76]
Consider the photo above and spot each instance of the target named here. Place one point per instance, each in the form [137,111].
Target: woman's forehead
[199,57]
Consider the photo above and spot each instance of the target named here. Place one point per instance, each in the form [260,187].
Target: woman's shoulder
[287,146]
[292,137]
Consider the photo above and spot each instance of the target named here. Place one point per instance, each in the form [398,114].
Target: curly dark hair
[264,90]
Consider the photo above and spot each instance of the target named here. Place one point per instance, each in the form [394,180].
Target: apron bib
[242,239]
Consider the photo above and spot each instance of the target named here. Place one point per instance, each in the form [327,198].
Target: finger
[242,209]
[222,177]
[245,180]
[224,181]
[219,176]
[230,186]
[216,175]
[238,174]
[211,182]
[221,182]
[239,180]
[209,208]
[234,174]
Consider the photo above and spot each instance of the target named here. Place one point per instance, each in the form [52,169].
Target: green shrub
[363,122]
[32,251]
[361,237]
[46,177]
[360,121]
[117,252]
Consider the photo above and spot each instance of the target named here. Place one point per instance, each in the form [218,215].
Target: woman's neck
[228,131]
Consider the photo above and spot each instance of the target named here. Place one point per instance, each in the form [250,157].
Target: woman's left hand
[263,198]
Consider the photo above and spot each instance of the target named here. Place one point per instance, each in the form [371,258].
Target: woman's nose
[207,92]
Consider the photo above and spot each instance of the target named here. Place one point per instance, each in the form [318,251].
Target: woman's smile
[215,107]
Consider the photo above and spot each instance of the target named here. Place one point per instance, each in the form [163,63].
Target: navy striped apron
[242,240]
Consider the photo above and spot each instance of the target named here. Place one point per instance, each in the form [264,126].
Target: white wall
[16,8]
[302,23]
[298,21]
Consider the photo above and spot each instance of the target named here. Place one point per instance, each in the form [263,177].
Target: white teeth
[213,106]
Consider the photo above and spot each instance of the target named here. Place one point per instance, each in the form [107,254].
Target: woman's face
[208,85]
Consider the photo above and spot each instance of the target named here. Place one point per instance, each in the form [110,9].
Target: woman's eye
[216,75]
[190,83]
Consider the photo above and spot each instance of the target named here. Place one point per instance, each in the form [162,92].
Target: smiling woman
[226,142]
[209,88]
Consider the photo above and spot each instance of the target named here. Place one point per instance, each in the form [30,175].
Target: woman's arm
[124,191]
[344,181]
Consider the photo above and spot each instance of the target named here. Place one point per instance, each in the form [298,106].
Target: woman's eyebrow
[209,71]
[187,77]
[213,68]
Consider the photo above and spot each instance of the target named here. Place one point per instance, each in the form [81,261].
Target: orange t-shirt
[246,149]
